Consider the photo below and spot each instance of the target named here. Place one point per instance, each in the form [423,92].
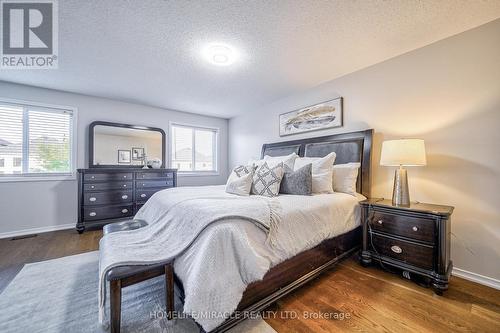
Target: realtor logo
[29,34]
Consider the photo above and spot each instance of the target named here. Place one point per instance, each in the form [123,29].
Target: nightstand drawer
[411,227]
[417,255]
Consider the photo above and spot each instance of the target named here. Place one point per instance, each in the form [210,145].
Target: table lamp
[400,153]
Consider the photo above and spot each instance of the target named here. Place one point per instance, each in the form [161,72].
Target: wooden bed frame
[289,275]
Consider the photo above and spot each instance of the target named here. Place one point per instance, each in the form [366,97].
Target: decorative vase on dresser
[107,195]
[415,239]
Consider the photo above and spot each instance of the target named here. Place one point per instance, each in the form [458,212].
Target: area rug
[60,295]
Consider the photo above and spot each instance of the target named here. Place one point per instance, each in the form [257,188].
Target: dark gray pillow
[297,182]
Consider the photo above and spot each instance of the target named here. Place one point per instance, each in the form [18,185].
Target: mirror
[121,145]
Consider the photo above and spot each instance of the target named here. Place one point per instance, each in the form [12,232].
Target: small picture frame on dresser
[124,156]
[137,153]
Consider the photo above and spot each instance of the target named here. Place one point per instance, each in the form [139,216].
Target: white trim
[31,231]
[33,177]
[478,278]
[197,173]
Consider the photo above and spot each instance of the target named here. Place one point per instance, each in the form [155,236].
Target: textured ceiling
[148,52]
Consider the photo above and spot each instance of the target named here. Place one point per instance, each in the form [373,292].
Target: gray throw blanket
[173,227]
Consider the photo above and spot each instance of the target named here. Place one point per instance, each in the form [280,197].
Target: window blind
[193,148]
[35,140]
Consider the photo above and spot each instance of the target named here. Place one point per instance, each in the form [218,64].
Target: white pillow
[240,180]
[288,160]
[267,180]
[345,177]
[322,171]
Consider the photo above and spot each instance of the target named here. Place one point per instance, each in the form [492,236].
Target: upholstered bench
[123,276]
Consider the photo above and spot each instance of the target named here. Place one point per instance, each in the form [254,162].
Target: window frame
[34,176]
[215,149]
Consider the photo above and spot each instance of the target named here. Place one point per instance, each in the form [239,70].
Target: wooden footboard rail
[289,275]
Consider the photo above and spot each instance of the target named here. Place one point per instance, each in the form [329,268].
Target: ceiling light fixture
[219,54]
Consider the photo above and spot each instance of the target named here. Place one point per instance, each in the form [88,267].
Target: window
[194,149]
[35,140]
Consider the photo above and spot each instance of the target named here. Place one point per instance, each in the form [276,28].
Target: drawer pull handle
[124,196]
[143,195]
[92,177]
[124,211]
[396,249]
[124,185]
[125,176]
[143,184]
[92,199]
[92,214]
[380,222]
[414,229]
[92,187]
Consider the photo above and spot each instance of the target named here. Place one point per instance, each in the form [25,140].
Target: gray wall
[28,205]
[447,93]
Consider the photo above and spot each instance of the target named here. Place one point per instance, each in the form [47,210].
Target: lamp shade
[407,152]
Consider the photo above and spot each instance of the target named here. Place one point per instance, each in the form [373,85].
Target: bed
[292,273]
[263,276]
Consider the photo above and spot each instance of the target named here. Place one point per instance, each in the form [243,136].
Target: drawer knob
[92,177]
[124,185]
[414,229]
[124,211]
[92,199]
[92,214]
[125,176]
[396,249]
[143,184]
[124,196]
[380,222]
[143,195]
[92,187]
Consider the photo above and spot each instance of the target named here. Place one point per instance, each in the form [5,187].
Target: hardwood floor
[347,298]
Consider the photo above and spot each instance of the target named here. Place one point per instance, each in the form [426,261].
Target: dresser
[107,195]
[415,239]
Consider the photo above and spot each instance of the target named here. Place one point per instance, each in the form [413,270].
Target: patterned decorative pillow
[267,180]
[240,180]
[297,182]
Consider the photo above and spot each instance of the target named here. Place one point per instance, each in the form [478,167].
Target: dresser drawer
[417,255]
[155,175]
[90,177]
[104,198]
[107,212]
[144,195]
[107,186]
[411,227]
[154,183]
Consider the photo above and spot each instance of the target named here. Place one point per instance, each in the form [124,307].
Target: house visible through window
[35,140]
[194,149]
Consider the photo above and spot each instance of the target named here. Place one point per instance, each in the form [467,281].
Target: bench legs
[169,290]
[115,295]
[115,304]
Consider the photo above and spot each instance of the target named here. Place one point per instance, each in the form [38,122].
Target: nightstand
[415,239]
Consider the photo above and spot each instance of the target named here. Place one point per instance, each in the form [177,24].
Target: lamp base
[400,193]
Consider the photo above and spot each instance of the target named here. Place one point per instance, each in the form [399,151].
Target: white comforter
[230,254]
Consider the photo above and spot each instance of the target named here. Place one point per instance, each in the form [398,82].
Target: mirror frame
[106,123]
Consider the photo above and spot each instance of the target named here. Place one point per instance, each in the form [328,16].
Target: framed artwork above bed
[312,118]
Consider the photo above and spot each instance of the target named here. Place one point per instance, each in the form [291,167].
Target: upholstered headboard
[349,147]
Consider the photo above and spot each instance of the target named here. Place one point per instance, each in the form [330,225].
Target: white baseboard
[36,230]
[478,278]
